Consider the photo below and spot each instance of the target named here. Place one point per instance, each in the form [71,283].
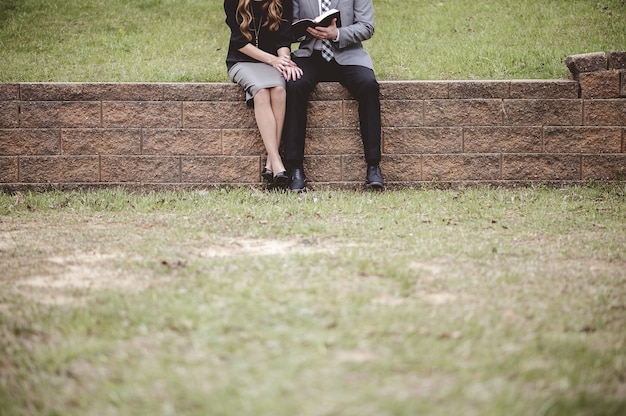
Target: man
[334,54]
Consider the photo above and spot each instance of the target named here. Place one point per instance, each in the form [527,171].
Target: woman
[259,60]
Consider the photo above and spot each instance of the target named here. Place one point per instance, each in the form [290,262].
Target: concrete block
[536,89]
[124,91]
[541,167]
[326,168]
[209,91]
[149,169]
[604,167]
[617,60]
[543,112]
[479,89]
[29,142]
[328,114]
[52,91]
[91,91]
[509,139]
[399,168]
[480,112]
[9,92]
[197,115]
[330,91]
[9,114]
[353,169]
[8,169]
[61,169]
[133,114]
[402,113]
[601,84]
[240,142]
[464,167]
[221,169]
[232,115]
[337,141]
[582,139]
[414,90]
[59,114]
[218,115]
[351,113]
[186,142]
[101,141]
[412,140]
[587,62]
[610,112]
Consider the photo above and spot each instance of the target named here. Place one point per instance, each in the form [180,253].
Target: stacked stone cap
[600,75]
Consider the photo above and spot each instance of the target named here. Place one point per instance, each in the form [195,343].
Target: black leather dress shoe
[374,177]
[268,175]
[298,180]
[281,179]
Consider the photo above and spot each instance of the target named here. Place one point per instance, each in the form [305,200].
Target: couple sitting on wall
[278,84]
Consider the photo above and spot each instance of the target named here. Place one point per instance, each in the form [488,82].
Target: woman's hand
[281,62]
[287,67]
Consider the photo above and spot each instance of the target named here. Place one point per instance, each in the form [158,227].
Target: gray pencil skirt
[254,76]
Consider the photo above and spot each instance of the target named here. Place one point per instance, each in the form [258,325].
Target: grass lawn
[186,40]
[242,302]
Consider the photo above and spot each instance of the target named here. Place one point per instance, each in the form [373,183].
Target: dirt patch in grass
[64,274]
[235,247]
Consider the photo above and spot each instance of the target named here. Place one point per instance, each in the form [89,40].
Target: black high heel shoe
[281,179]
[268,175]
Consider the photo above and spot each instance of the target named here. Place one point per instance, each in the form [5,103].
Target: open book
[298,28]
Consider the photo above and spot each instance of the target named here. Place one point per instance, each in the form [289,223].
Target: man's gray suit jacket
[357,25]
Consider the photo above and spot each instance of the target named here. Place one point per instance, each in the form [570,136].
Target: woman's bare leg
[266,121]
[278,98]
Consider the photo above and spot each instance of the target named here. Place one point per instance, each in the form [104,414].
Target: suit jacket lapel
[314,5]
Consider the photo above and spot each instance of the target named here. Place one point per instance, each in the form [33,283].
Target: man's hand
[331,32]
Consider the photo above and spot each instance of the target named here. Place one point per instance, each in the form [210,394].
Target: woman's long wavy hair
[273,9]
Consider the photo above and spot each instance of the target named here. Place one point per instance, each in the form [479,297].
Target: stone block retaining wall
[194,135]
